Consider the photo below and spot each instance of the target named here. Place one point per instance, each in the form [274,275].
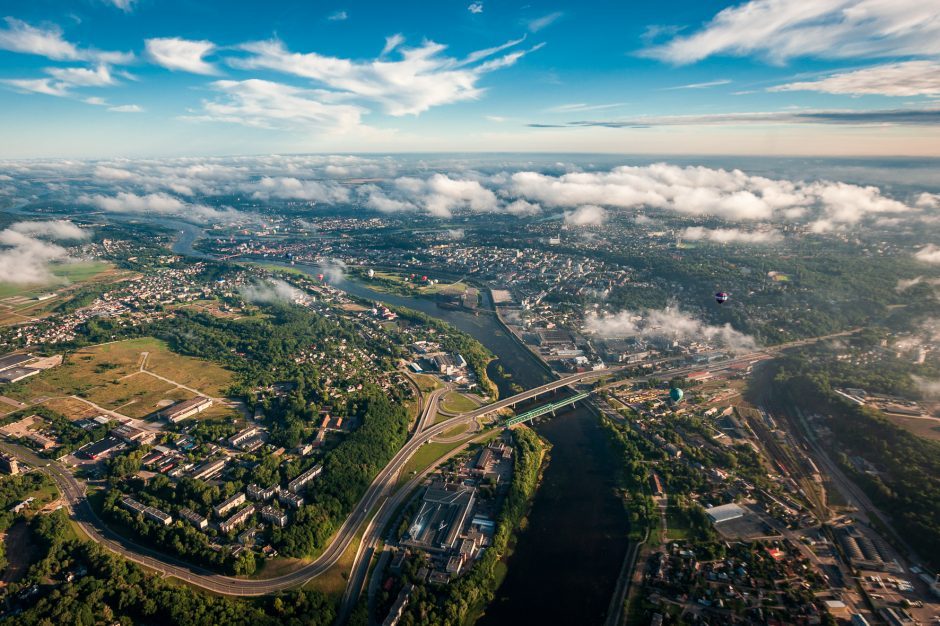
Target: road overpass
[379,492]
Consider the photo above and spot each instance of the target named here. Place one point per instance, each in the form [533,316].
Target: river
[566,563]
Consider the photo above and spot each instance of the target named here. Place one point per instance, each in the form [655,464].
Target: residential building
[229,504]
[275,516]
[194,518]
[301,481]
[237,519]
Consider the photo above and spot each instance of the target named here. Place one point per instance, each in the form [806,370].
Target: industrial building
[184,409]
[724,513]
[133,435]
[207,470]
[441,517]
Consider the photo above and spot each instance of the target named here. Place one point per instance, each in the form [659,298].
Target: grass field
[109,375]
[18,303]
[454,402]
[456,430]
[426,383]
[926,428]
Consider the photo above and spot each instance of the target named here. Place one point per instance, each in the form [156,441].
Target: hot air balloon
[675,394]
[721,297]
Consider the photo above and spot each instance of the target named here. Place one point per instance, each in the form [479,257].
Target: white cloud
[522,207]
[64,80]
[159,204]
[580,107]
[108,173]
[929,388]
[186,55]
[25,257]
[333,270]
[339,16]
[669,323]
[289,188]
[702,191]
[586,215]
[126,108]
[456,233]
[125,5]
[537,24]
[270,291]
[475,7]
[422,78]
[836,29]
[906,283]
[928,254]
[266,104]
[440,194]
[731,235]
[705,85]
[392,42]
[49,42]
[911,78]
[928,201]
[54,229]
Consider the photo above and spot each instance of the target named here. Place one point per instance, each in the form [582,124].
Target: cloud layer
[669,323]
[25,254]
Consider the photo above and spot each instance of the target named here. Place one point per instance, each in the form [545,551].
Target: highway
[379,492]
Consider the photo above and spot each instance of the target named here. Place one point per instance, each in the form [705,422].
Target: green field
[454,402]
[110,376]
[66,272]
[19,303]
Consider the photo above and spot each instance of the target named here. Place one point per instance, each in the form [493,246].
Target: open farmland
[134,377]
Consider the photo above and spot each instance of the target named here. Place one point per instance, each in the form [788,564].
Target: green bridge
[551,407]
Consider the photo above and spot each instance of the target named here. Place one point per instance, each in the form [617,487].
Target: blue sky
[106,78]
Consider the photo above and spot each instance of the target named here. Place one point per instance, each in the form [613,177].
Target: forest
[78,583]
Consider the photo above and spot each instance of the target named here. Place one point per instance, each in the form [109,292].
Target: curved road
[381,488]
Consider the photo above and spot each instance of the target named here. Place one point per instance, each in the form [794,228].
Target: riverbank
[467,597]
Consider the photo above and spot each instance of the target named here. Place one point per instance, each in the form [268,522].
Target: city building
[207,470]
[229,504]
[184,409]
[151,513]
[9,464]
[275,516]
[194,518]
[441,517]
[298,483]
[287,498]
[237,519]
[133,435]
[257,493]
